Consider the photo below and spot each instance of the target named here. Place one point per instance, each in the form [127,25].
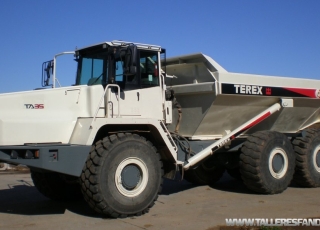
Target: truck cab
[135,68]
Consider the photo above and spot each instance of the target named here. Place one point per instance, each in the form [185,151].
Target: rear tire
[206,173]
[267,162]
[56,186]
[307,150]
[235,173]
[123,176]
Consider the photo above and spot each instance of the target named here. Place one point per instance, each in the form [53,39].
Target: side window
[147,75]
[119,77]
[128,82]
[149,69]
[91,71]
[119,72]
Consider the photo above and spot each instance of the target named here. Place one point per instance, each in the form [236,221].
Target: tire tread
[250,162]
[98,152]
[302,145]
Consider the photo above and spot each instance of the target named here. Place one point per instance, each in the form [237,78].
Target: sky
[267,37]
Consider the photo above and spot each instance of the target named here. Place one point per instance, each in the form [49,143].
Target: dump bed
[215,101]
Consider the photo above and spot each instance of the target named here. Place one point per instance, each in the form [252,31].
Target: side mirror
[47,71]
[130,62]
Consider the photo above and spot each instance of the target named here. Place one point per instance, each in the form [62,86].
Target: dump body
[215,101]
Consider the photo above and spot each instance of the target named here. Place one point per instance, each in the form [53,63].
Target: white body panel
[47,115]
[85,130]
[139,103]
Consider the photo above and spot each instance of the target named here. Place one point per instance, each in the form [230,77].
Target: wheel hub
[130,176]
[278,163]
[316,158]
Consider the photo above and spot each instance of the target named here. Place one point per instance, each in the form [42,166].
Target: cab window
[147,74]
[92,70]
[149,69]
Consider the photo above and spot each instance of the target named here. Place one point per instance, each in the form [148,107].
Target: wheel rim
[131,177]
[316,158]
[278,163]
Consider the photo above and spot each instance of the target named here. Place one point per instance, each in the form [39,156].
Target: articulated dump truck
[134,117]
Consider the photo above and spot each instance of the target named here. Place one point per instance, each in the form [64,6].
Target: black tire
[267,162]
[123,176]
[56,186]
[307,150]
[235,173]
[206,173]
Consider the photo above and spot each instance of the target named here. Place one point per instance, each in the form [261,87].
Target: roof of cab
[124,43]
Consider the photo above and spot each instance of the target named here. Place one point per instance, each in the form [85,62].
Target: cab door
[141,94]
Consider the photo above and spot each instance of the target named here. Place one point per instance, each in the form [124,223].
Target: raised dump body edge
[215,101]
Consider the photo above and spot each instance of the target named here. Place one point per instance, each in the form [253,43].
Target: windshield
[92,69]
[95,68]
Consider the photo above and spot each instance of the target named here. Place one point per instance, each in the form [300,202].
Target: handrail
[104,93]
[169,136]
[55,67]
[114,85]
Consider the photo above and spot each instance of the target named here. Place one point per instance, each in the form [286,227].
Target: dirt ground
[180,206]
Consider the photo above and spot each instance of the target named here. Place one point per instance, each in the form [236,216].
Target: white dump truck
[134,117]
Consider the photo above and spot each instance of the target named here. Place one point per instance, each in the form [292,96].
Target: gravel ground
[180,206]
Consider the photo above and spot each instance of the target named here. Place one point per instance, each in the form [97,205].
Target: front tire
[267,162]
[307,150]
[123,176]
